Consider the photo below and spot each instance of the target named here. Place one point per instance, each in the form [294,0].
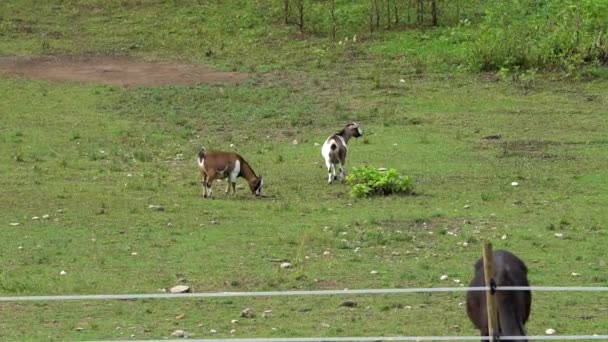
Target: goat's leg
[204,176]
[333,171]
[233,187]
[342,175]
[227,186]
[329,167]
[209,182]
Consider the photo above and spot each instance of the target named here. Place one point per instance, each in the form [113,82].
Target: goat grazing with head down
[335,147]
[221,165]
[513,306]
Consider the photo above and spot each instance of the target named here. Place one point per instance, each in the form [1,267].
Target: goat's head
[256,185]
[353,130]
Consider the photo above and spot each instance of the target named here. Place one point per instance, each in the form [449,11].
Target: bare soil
[114,70]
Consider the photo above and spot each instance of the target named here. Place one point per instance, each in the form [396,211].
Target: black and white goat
[335,148]
[221,165]
[513,306]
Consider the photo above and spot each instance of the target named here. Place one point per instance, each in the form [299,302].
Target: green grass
[103,154]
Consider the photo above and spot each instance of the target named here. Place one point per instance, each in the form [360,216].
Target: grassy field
[94,157]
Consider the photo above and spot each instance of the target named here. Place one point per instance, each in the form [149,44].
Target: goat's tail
[333,146]
[201,154]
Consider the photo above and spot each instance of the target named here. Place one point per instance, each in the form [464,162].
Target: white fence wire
[390,338]
[296,293]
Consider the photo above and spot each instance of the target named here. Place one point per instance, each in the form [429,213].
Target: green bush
[369,181]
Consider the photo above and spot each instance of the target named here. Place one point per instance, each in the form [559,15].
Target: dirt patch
[114,71]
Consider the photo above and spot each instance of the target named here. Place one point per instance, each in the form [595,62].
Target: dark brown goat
[513,306]
[218,164]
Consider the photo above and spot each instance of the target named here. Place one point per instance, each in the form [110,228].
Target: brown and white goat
[221,165]
[335,148]
[513,306]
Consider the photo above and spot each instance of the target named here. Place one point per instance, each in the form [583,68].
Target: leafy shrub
[369,181]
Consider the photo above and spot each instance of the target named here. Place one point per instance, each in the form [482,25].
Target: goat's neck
[346,135]
[247,172]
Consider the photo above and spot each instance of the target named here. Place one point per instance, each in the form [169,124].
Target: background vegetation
[491,94]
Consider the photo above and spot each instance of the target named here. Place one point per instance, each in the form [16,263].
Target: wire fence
[297,293]
[334,292]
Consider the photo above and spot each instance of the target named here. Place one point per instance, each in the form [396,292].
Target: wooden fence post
[490,298]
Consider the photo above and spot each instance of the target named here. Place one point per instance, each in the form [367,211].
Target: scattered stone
[467,206]
[46,216]
[326,253]
[60,211]
[156,207]
[444,277]
[374,272]
[402,81]
[180,289]
[514,183]
[134,253]
[357,249]
[295,142]
[79,329]
[20,247]
[232,331]
[574,274]
[214,222]
[348,303]
[504,236]
[465,244]
[14,224]
[286,265]
[247,313]
[559,235]
[266,313]
[407,307]
[231,145]
[550,331]
[316,144]
[395,253]
[461,304]
[213,331]
[325,325]
[180,316]
[466,222]
[457,281]
[382,169]
[63,273]
[234,321]
[35,218]
[180,333]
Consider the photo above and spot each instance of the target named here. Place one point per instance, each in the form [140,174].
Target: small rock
[234,321]
[461,304]
[348,303]
[467,206]
[266,313]
[232,331]
[325,325]
[14,224]
[294,142]
[574,274]
[213,331]
[550,331]
[357,249]
[382,169]
[156,207]
[214,222]
[402,81]
[35,218]
[316,144]
[457,281]
[180,289]
[466,222]
[20,247]
[514,183]
[374,272]
[180,333]
[247,313]
[395,253]
[407,307]
[180,316]
[46,216]
[326,253]
[134,253]
[444,277]
[60,211]
[504,236]
[465,244]
[286,265]
[559,235]
[231,145]
[79,329]
[63,273]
